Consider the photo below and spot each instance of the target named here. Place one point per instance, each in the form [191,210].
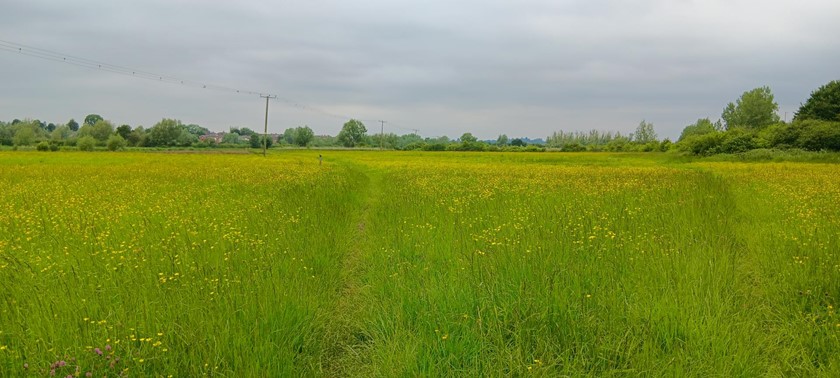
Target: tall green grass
[406,264]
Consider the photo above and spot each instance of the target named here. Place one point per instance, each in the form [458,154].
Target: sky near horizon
[523,68]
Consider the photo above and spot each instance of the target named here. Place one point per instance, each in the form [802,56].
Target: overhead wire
[13,47]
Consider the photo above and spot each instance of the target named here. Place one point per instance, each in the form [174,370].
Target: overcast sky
[523,68]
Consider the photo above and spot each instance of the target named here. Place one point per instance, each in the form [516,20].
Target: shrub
[650,146]
[116,142]
[86,143]
[414,146]
[779,135]
[470,146]
[434,147]
[738,140]
[618,145]
[573,147]
[706,144]
[43,146]
[818,135]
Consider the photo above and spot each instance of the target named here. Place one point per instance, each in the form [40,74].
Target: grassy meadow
[416,264]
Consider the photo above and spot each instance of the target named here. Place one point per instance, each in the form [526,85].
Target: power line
[112,68]
[35,52]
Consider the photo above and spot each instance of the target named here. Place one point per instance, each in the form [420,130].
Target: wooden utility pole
[381,134]
[265,130]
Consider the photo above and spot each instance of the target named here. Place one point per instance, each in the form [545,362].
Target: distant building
[216,137]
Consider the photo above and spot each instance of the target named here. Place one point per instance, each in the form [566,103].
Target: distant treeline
[750,123]
[96,132]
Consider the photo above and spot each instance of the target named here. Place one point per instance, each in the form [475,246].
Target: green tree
[115,142]
[352,133]
[165,133]
[518,142]
[755,109]
[92,119]
[387,140]
[25,135]
[439,140]
[267,140]
[824,104]
[413,140]
[101,130]
[230,138]
[255,141]
[137,137]
[73,125]
[702,126]
[289,135]
[325,141]
[303,136]
[60,133]
[468,138]
[124,131]
[196,130]
[502,140]
[644,133]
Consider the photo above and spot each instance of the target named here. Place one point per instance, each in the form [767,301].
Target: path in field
[343,336]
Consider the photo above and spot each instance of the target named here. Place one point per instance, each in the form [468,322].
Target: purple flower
[107,346]
[97,351]
[61,363]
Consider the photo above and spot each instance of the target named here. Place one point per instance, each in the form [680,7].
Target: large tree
[124,131]
[755,109]
[100,131]
[289,135]
[61,133]
[352,133]
[644,133]
[92,119]
[25,135]
[196,129]
[303,136]
[824,104]
[468,138]
[165,133]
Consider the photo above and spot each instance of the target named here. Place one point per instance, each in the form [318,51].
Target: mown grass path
[344,338]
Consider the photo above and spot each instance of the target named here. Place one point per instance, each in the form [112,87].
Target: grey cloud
[444,67]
